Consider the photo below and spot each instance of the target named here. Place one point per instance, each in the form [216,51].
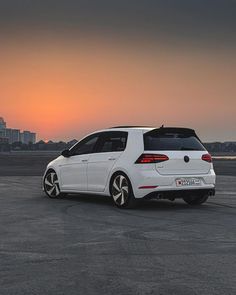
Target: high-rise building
[8,134]
[3,138]
[14,135]
[2,123]
[2,133]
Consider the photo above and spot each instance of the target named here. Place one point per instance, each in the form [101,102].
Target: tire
[51,185]
[196,200]
[122,192]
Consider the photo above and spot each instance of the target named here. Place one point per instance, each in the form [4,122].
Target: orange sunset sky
[62,82]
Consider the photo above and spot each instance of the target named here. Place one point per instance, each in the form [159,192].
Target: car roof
[131,128]
[161,129]
[145,129]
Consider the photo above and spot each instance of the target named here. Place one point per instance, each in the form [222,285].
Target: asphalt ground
[25,163]
[84,245]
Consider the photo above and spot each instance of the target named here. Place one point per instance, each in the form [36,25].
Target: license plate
[187,181]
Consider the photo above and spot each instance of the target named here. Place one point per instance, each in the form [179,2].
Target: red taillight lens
[148,186]
[151,158]
[207,158]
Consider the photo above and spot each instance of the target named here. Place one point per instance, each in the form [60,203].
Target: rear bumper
[180,193]
[145,182]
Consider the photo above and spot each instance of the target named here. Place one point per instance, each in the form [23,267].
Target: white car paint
[91,173]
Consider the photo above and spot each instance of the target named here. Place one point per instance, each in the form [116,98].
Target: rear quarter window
[112,141]
[172,142]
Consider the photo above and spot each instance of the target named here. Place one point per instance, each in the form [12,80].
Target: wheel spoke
[115,197]
[48,183]
[57,190]
[116,186]
[121,180]
[122,198]
[52,177]
[125,188]
[51,190]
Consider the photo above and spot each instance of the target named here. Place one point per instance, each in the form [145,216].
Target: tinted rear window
[172,142]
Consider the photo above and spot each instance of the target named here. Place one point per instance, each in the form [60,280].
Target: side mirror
[66,153]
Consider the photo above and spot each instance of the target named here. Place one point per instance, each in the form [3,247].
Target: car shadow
[142,205]
[90,199]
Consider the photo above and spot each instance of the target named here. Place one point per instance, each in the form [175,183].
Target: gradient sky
[70,67]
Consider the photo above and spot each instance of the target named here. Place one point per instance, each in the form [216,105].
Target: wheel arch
[49,169]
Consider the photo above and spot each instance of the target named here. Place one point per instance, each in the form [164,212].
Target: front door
[73,170]
[73,173]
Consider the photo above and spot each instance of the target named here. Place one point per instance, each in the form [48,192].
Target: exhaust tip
[211,193]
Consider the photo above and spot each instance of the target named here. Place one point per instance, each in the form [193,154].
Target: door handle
[111,159]
[84,160]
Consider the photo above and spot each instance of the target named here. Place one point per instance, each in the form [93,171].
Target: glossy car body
[90,164]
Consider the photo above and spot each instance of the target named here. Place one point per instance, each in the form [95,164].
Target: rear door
[181,146]
[109,148]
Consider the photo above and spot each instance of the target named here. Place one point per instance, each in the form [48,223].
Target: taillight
[207,158]
[151,158]
[148,186]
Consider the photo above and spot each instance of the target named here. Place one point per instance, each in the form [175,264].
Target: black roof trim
[131,127]
[175,129]
[164,130]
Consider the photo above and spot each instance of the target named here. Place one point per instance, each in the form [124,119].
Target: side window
[86,146]
[114,141]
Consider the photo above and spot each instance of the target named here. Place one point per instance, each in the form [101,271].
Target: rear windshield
[172,142]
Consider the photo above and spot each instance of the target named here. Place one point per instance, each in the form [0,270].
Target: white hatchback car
[131,163]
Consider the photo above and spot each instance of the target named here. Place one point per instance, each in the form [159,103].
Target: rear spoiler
[166,130]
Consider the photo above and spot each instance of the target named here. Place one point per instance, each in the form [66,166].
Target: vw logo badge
[186,159]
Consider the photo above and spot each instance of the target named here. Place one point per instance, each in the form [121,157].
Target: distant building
[2,133]
[28,137]
[8,134]
[15,135]
[11,135]
[3,140]
[3,137]
[2,123]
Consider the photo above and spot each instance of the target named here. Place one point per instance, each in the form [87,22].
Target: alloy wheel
[51,185]
[120,190]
